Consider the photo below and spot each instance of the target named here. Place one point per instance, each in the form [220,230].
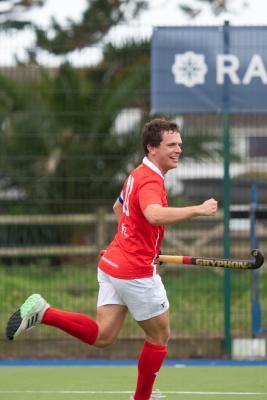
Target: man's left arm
[117,209]
[158,215]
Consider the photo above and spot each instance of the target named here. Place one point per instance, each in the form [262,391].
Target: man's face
[166,156]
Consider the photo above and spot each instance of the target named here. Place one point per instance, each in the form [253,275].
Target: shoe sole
[13,325]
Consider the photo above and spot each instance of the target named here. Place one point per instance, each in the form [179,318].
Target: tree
[87,103]
[97,20]
[26,135]
[217,7]
[11,12]
[80,155]
[61,129]
[76,159]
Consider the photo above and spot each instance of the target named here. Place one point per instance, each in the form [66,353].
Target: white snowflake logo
[189,69]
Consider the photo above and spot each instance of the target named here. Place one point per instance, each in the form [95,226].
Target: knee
[165,337]
[104,341]
[161,338]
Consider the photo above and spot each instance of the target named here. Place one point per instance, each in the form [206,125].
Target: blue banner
[209,69]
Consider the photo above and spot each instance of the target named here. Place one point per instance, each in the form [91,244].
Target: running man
[128,271]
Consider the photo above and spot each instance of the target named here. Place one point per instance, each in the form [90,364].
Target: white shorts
[145,298]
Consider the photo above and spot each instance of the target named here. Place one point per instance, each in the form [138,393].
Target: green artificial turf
[117,383]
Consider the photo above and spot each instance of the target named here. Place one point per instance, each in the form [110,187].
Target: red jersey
[133,251]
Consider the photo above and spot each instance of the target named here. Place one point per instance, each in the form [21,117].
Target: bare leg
[109,319]
[157,329]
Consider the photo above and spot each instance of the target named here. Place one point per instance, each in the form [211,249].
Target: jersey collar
[152,166]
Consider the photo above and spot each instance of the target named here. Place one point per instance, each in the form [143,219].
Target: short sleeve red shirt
[133,251]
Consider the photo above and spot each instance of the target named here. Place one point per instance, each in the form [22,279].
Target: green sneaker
[27,316]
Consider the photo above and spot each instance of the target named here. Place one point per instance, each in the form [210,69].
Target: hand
[209,207]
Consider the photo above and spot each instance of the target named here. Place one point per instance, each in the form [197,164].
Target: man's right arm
[159,215]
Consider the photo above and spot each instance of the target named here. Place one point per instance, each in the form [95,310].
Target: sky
[160,13]
[168,13]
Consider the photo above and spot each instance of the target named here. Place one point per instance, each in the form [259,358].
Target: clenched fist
[209,207]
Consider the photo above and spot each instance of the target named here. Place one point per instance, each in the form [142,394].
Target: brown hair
[152,132]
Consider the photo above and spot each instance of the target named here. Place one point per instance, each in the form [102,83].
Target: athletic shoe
[27,316]
[155,396]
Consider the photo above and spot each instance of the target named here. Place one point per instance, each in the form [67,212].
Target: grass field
[117,383]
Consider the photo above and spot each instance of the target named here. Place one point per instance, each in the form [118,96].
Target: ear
[151,149]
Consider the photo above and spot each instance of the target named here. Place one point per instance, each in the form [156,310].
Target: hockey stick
[254,263]
[217,262]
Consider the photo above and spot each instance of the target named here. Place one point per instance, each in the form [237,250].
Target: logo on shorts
[163,304]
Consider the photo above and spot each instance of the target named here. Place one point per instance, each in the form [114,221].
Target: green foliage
[59,144]
[11,13]
[60,130]
[194,9]
[97,20]
[86,103]
[25,134]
